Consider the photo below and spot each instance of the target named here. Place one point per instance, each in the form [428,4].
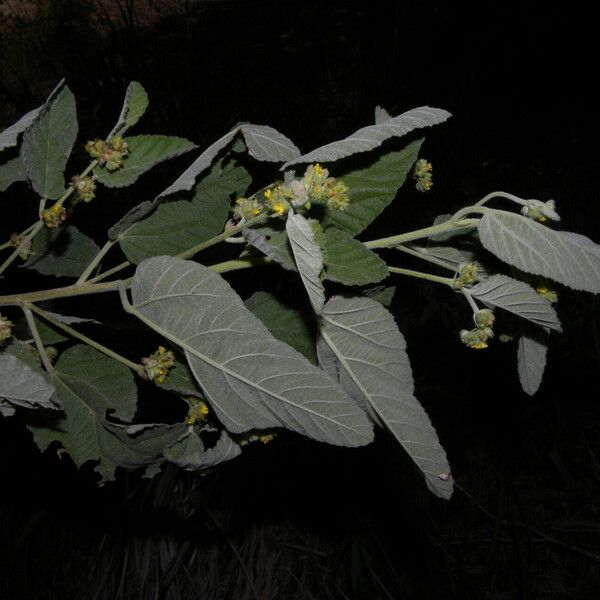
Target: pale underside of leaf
[369,138]
[252,380]
[308,257]
[531,358]
[373,364]
[134,106]
[518,298]
[535,248]
[190,454]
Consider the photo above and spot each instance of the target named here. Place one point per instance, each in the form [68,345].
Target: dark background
[295,519]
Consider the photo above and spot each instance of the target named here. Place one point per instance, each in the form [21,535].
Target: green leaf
[531,358]
[372,188]
[21,385]
[48,142]
[145,152]
[90,385]
[134,106]
[52,335]
[252,380]
[373,367]
[285,323]
[568,258]
[62,252]
[517,298]
[178,225]
[11,172]
[349,261]
[369,138]
[382,294]
[189,452]
[180,379]
[308,258]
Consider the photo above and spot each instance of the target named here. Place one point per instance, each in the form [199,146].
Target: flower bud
[484,318]
[422,174]
[15,242]
[475,338]
[540,211]
[547,293]
[85,187]
[54,216]
[157,365]
[467,274]
[197,412]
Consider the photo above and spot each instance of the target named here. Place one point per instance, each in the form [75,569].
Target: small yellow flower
[268,193]
[85,188]
[318,169]
[422,174]
[198,411]
[278,208]
[266,438]
[547,293]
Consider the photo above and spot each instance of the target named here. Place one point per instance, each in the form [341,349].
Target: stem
[95,262]
[396,240]
[37,339]
[470,300]
[71,189]
[191,251]
[9,243]
[467,210]
[32,233]
[242,263]
[421,275]
[73,332]
[422,255]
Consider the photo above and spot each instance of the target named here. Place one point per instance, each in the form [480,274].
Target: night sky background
[295,519]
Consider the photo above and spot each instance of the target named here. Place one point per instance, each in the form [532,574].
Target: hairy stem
[37,339]
[74,333]
[421,275]
[95,262]
[423,256]
[32,233]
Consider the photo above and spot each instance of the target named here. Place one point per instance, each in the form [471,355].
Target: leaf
[251,379]
[20,385]
[285,323]
[464,232]
[308,257]
[62,252]
[267,144]
[52,335]
[180,379]
[6,410]
[373,365]
[381,115]
[178,225]
[89,385]
[372,136]
[449,254]
[534,248]
[11,172]
[517,298]
[372,188]
[48,142]
[382,294]
[10,135]
[145,152]
[273,243]
[134,106]
[349,261]
[189,452]
[531,358]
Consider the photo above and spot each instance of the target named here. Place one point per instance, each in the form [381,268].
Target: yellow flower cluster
[467,274]
[54,216]
[477,338]
[109,154]
[158,364]
[423,175]
[198,411]
[266,438]
[546,293]
[323,189]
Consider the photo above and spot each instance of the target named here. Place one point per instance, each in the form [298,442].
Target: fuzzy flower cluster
[15,242]
[548,294]
[423,175]
[85,188]
[315,187]
[54,216]
[478,337]
[540,211]
[108,154]
[466,275]
[158,364]
[197,412]
[5,329]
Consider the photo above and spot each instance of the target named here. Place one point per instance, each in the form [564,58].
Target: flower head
[158,364]
[85,187]
[5,329]
[423,175]
[15,242]
[197,412]
[54,216]
[484,318]
[108,154]
[474,338]
[540,211]
[466,275]
[547,293]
